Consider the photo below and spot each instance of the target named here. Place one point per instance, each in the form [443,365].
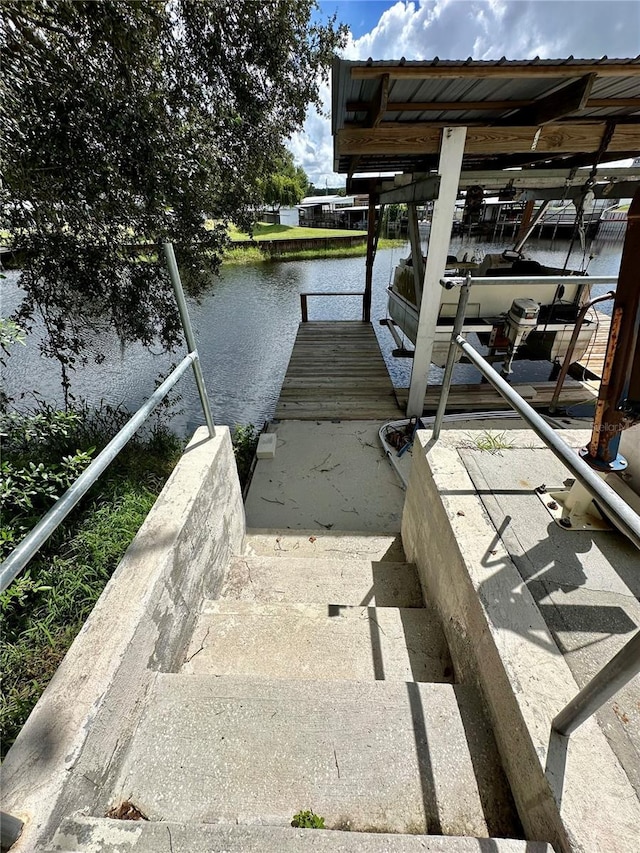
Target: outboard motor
[521,320]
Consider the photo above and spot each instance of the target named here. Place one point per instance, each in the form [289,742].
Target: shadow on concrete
[501,817]
[433,825]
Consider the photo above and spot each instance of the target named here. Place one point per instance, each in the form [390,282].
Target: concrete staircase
[317,680]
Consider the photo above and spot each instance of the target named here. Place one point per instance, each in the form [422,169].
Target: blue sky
[456,29]
[361,15]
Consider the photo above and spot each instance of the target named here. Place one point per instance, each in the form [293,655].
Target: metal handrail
[304,307]
[626,663]
[529,280]
[33,541]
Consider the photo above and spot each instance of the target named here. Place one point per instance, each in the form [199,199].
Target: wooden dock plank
[592,362]
[471,397]
[336,372]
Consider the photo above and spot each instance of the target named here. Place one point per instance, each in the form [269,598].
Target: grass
[265,231]
[47,604]
[254,255]
[69,584]
[490,442]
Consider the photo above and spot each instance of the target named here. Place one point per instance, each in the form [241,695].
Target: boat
[516,322]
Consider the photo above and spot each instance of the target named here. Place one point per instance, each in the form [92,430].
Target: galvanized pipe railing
[613,505]
[34,540]
[304,306]
[626,664]
[10,830]
[613,675]
[190,338]
[528,280]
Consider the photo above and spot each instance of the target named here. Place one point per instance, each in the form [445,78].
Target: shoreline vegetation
[48,603]
[267,234]
[245,248]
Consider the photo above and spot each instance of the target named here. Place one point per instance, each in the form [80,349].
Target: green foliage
[10,333]
[491,442]
[245,441]
[286,185]
[134,122]
[43,609]
[308,820]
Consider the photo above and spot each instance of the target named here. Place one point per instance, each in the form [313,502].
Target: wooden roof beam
[569,99]
[426,72]
[482,106]
[378,105]
[420,139]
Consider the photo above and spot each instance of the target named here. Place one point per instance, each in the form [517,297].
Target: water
[246,324]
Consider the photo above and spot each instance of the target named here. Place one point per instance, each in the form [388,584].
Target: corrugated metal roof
[464,86]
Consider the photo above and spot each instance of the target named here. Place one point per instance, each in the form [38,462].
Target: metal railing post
[33,541]
[10,829]
[613,675]
[189,336]
[451,355]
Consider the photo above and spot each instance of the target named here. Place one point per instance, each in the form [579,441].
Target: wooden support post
[371,240]
[450,165]
[416,251]
[527,213]
[619,399]
[304,310]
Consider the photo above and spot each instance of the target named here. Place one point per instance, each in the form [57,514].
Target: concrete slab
[326,476]
[82,834]
[573,791]
[324,544]
[312,641]
[314,580]
[586,584]
[378,756]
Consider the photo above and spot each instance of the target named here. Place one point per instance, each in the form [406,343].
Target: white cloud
[483,29]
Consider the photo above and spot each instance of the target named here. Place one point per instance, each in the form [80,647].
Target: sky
[457,29]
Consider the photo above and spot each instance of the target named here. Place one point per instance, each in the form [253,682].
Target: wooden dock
[592,362]
[476,397]
[336,372]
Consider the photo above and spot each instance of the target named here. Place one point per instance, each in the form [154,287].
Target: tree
[127,122]
[285,186]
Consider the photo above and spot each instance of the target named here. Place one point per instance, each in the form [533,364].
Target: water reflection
[246,324]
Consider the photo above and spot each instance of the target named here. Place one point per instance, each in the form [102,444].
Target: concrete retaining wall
[71,745]
[572,793]
[273,248]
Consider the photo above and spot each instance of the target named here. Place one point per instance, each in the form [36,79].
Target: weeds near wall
[47,604]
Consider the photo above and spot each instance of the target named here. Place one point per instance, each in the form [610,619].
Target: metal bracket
[573,507]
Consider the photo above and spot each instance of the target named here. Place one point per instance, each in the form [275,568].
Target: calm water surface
[246,324]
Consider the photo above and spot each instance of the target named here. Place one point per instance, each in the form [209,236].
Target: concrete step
[375,756]
[311,543]
[316,580]
[81,834]
[318,641]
